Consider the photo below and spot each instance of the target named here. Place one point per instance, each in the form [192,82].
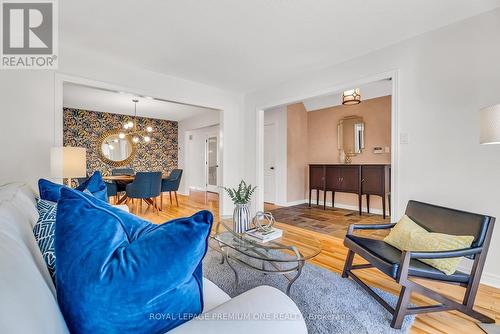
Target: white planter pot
[241,218]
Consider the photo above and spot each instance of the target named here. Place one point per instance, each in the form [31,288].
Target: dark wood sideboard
[364,179]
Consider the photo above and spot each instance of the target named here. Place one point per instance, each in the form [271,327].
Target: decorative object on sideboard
[131,130]
[348,157]
[351,97]
[241,196]
[68,162]
[381,150]
[490,125]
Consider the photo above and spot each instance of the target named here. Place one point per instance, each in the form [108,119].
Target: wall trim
[329,204]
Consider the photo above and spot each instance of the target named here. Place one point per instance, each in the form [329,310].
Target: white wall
[195,157]
[205,120]
[445,77]
[31,110]
[277,116]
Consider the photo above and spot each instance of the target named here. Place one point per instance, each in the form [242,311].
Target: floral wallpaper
[83,128]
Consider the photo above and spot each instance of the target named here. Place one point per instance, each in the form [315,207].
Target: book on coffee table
[274,233]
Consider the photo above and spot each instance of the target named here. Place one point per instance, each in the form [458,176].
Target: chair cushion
[95,184]
[114,269]
[44,232]
[386,258]
[427,241]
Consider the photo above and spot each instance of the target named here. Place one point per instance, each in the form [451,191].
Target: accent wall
[83,128]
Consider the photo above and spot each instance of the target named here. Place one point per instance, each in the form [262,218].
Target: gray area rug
[329,303]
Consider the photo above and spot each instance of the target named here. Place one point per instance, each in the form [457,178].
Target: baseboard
[197,188]
[329,204]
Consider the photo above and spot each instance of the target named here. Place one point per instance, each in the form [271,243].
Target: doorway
[392,153]
[269,163]
[212,163]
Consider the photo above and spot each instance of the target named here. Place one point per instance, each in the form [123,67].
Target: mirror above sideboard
[351,133]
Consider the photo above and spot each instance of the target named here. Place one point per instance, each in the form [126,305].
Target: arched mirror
[116,151]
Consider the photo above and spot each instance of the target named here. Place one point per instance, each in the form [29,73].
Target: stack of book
[274,233]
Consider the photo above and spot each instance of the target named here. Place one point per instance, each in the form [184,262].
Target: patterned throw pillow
[44,231]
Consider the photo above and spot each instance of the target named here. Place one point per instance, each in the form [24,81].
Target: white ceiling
[368,91]
[245,45]
[89,98]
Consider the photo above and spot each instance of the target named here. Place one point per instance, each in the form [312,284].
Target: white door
[269,163]
[212,163]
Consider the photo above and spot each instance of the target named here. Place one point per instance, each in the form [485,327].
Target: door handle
[271,168]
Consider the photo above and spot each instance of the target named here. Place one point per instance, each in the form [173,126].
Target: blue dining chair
[112,189]
[171,183]
[145,187]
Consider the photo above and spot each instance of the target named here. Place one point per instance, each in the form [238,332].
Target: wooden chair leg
[400,311]
[367,203]
[176,200]
[170,195]
[161,200]
[348,263]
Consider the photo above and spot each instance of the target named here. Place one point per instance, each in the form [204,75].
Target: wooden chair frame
[408,286]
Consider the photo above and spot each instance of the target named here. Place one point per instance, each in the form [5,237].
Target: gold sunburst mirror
[115,149]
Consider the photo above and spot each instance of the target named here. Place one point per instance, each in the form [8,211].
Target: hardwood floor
[332,258]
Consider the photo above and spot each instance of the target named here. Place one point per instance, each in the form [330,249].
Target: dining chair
[122,171]
[112,189]
[145,187]
[121,187]
[171,183]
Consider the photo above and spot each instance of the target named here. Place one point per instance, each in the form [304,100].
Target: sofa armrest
[263,310]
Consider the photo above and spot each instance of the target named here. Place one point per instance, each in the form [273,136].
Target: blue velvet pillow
[49,191]
[115,270]
[96,186]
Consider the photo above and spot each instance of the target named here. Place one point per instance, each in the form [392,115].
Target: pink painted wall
[318,143]
[297,147]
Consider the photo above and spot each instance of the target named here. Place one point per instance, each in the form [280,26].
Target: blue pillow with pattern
[44,231]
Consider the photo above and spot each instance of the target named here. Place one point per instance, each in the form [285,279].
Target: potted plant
[241,196]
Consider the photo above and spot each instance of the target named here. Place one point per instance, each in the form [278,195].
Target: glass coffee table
[284,256]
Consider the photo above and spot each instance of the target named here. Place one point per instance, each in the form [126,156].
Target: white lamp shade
[68,162]
[490,125]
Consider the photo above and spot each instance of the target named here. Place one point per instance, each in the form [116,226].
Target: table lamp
[68,162]
[490,125]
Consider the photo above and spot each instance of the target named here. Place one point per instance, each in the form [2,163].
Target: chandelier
[131,130]
[351,97]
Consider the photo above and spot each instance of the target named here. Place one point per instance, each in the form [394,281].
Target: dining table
[124,180]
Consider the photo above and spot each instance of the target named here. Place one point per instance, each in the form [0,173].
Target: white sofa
[28,302]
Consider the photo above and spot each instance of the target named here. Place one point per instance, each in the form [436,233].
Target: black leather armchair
[404,265]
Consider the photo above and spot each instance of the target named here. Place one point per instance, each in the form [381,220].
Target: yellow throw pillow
[399,236]
[427,241]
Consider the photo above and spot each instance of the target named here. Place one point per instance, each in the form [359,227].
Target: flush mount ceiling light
[351,97]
